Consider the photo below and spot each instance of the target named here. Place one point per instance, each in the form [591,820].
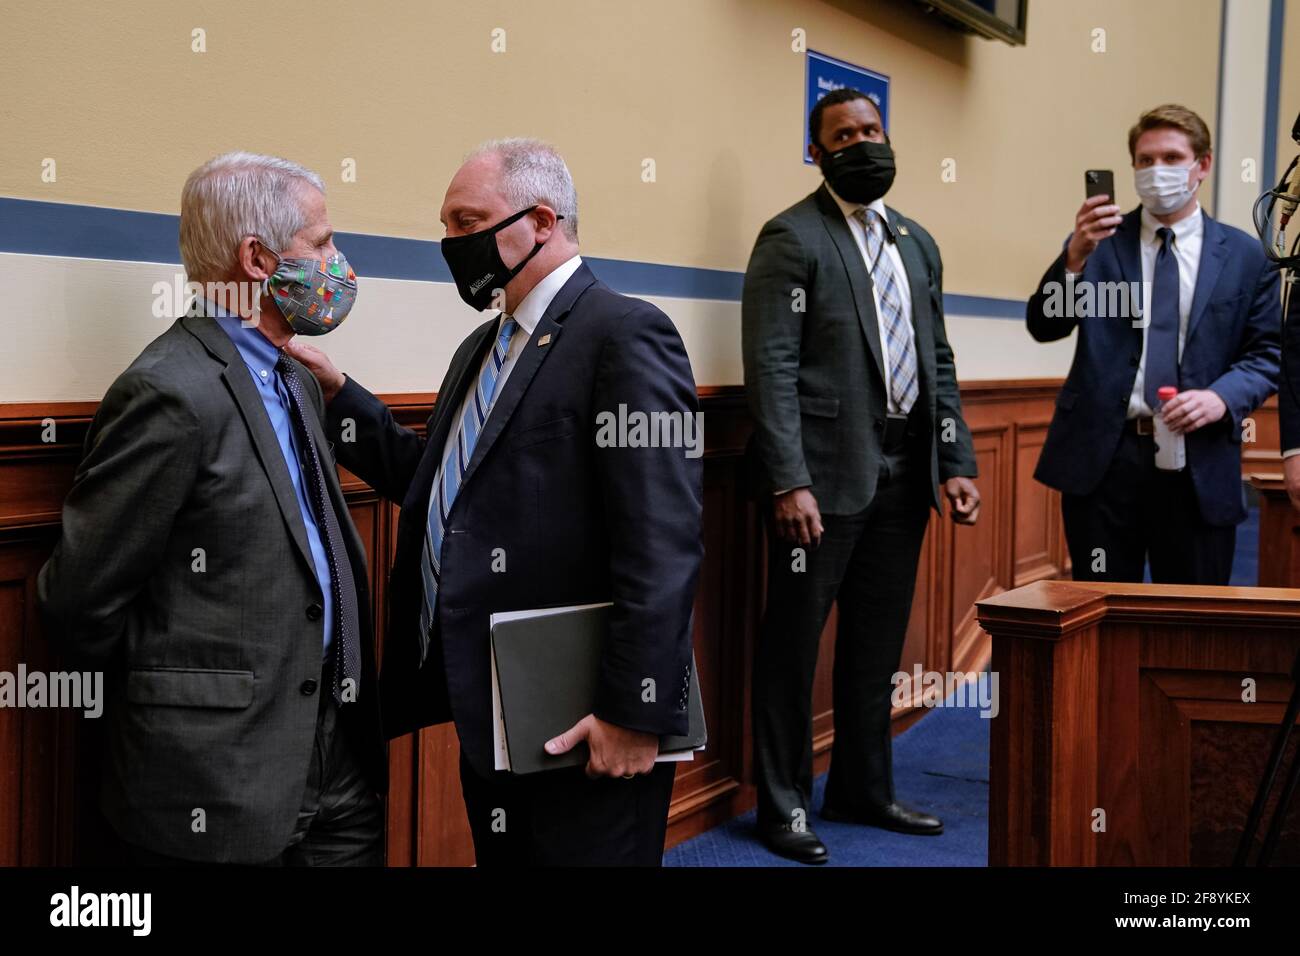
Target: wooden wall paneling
[425,812]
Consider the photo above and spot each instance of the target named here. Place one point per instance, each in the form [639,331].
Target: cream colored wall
[709,89]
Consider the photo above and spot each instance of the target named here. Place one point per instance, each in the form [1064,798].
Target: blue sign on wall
[825,73]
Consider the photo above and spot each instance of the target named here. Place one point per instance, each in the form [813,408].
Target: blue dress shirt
[260,356]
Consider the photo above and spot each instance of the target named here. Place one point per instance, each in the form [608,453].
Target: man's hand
[319,364]
[1188,411]
[963,499]
[614,751]
[1096,220]
[1291,468]
[797,518]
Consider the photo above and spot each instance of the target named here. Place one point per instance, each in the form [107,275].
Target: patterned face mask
[313,295]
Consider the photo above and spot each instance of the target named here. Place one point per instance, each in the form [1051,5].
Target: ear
[546,220]
[815,153]
[255,261]
[1204,163]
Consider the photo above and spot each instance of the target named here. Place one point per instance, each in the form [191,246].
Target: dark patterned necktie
[1162,332]
[347,647]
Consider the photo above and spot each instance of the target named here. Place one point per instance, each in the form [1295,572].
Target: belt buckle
[1144,425]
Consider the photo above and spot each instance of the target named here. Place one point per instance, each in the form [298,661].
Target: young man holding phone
[1206,322]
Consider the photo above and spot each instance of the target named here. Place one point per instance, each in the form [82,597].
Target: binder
[545,670]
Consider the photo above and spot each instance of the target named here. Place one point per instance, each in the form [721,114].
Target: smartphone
[1099,182]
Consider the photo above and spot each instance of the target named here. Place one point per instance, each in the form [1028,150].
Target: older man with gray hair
[510,501]
[208,563]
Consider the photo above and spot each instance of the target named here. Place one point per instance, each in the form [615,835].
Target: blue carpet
[941,765]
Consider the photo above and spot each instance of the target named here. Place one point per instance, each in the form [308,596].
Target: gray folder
[545,668]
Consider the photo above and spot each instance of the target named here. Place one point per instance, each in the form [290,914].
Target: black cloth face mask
[475,262]
[860,173]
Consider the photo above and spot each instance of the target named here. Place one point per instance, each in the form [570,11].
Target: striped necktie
[900,349]
[452,472]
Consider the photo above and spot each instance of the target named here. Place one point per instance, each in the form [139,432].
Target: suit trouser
[341,820]
[563,818]
[866,562]
[1139,512]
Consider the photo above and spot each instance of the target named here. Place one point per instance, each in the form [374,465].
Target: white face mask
[1163,189]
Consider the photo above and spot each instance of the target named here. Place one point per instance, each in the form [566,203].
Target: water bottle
[1171,455]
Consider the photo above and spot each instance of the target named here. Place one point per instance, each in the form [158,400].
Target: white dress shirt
[528,313]
[1188,233]
[900,278]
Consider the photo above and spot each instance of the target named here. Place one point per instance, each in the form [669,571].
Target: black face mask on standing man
[860,173]
[475,261]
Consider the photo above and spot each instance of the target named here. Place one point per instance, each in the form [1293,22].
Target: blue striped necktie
[900,348]
[452,472]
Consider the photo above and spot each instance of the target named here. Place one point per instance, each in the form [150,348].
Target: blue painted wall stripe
[32,227]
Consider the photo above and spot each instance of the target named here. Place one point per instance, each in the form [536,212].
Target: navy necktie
[1162,331]
[347,647]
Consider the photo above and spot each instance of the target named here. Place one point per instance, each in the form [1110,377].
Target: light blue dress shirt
[260,356]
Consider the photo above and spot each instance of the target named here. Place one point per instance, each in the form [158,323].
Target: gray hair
[534,172]
[236,195]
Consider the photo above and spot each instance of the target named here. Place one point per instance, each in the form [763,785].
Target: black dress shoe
[802,847]
[892,816]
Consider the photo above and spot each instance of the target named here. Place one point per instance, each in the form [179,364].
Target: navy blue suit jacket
[578,523]
[1288,391]
[1231,347]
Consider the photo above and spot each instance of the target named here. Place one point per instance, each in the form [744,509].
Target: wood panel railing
[46,778]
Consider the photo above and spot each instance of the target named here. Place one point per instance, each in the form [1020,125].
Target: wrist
[333,387]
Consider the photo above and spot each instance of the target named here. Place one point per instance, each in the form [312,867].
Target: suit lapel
[859,278]
[1127,236]
[444,420]
[249,401]
[529,362]
[448,403]
[918,281]
[1213,255]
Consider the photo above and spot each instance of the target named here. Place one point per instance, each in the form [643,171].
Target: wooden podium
[1126,734]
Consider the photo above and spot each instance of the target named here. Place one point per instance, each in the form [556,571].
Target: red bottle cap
[1166,392]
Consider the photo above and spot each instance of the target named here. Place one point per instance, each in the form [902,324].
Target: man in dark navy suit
[1205,322]
[513,500]
[1288,397]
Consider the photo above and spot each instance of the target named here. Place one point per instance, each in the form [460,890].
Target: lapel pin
[544,340]
[902,229]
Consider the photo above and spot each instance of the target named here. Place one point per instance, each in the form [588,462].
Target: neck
[272,324]
[552,256]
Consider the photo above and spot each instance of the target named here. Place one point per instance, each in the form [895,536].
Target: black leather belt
[1142,426]
[895,432]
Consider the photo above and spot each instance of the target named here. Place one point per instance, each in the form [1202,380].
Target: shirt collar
[255,348]
[1184,229]
[530,311]
[850,209]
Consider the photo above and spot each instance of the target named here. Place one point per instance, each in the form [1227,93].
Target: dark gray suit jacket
[207,655]
[815,378]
